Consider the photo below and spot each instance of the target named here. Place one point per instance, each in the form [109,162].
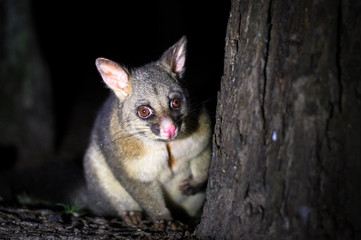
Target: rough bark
[287,156]
[26,122]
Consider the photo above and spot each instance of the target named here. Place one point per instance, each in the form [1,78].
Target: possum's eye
[144,112]
[175,103]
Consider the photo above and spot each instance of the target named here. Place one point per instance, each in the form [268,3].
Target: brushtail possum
[150,149]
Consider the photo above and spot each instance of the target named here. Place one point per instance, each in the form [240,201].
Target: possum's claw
[133,218]
[188,187]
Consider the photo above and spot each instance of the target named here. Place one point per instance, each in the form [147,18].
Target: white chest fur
[155,163]
[149,165]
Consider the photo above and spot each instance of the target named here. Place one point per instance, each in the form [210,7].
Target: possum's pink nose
[170,131]
[167,128]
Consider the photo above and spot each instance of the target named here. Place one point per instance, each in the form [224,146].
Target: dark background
[72,35]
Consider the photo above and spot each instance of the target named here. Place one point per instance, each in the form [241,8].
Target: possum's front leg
[150,198]
[149,195]
[199,174]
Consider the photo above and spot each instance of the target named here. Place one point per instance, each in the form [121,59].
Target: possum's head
[153,103]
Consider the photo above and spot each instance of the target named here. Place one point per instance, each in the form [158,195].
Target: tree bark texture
[26,121]
[287,158]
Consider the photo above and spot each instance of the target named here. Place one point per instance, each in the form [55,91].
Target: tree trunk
[287,145]
[26,121]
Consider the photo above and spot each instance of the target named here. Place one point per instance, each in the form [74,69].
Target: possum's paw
[168,225]
[133,218]
[189,187]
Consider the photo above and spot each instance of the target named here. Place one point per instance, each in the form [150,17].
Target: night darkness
[72,35]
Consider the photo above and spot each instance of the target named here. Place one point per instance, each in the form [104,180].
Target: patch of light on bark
[274,136]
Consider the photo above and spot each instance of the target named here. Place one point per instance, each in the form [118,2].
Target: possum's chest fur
[152,163]
[162,161]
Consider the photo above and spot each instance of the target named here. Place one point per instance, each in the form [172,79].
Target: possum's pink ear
[175,57]
[115,76]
